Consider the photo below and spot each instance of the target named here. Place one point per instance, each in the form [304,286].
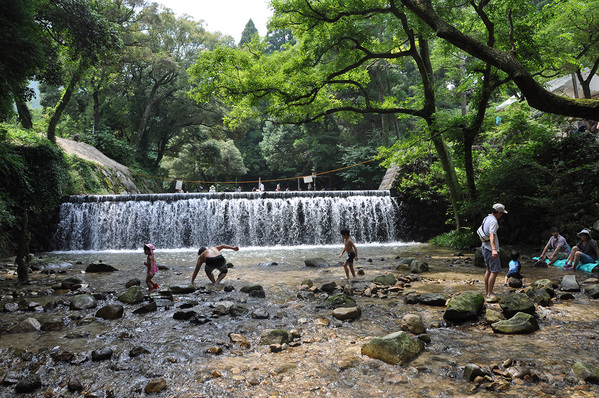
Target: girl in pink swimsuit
[151,267]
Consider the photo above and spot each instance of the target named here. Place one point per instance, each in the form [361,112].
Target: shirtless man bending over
[214,260]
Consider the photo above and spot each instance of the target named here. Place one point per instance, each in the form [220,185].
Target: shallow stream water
[327,363]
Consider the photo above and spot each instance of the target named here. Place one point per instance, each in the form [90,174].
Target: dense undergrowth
[35,174]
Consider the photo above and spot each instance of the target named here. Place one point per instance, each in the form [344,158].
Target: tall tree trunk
[63,102]
[24,114]
[468,142]
[141,130]
[425,67]
[23,239]
[95,96]
[451,177]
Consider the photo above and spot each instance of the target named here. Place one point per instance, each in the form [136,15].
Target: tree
[81,35]
[248,33]
[33,179]
[21,53]
[508,59]
[209,160]
[327,72]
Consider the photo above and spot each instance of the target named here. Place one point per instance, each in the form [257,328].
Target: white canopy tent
[570,86]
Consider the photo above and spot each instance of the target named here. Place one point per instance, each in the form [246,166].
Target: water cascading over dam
[173,221]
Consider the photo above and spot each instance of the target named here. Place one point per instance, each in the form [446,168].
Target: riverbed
[201,360]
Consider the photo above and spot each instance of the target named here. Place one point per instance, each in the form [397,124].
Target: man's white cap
[499,208]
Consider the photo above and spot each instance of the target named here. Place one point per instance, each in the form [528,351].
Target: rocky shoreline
[256,322]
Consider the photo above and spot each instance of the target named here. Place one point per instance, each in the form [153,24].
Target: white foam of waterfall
[244,219]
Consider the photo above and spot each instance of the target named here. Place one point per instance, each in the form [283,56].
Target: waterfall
[172,221]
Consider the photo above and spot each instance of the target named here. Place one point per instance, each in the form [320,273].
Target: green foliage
[521,126]
[21,51]
[211,160]
[365,176]
[33,179]
[550,183]
[114,148]
[458,240]
[248,33]
[85,177]
[420,172]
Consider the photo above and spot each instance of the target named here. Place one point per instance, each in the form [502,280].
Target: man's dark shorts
[218,263]
[350,257]
[492,264]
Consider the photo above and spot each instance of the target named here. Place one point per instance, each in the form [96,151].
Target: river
[328,361]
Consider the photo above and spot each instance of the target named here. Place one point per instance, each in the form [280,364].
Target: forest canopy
[346,86]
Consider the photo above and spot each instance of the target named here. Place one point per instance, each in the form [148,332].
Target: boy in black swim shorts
[352,253]
[214,261]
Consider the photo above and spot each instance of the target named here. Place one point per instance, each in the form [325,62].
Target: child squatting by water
[151,268]
[352,253]
[514,271]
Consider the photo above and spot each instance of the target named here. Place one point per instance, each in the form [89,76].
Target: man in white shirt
[491,248]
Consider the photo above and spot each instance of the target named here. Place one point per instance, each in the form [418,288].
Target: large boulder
[587,372]
[387,280]
[28,384]
[413,323]
[102,354]
[492,316]
[418,267]
[433,299]
[152,306]
[517,302]
[133,282]
[274,336]
[251,288]
[155,386]
[52,324]
[569,284]
[544,284]
[338,300]
[182,288]
[520,323]
[133,295]
[464,307]
[26,326]
[328,287]
[395,348]
[99,266]
[540,296]
[515,283]
[238,310]
[83,302]
[405,262]
[74,280]
[347,313]
[592,291]
[472,371]
[111,311]
[316,262]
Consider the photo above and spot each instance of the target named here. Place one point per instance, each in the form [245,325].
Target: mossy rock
[395,348]
[339,300]
[463,307]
